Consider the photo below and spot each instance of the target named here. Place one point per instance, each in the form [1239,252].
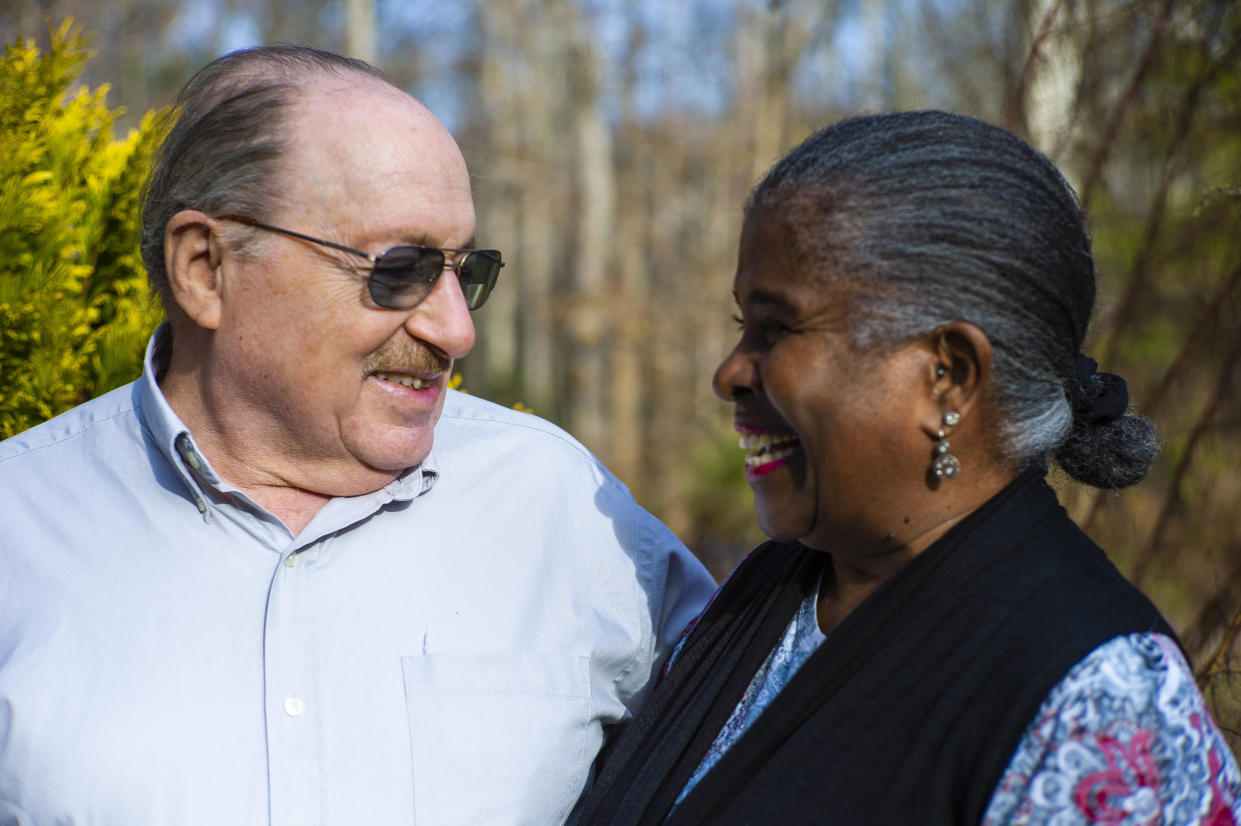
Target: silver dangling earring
[946,466]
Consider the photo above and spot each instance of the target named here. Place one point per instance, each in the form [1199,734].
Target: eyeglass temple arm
[251,222]
[241,219]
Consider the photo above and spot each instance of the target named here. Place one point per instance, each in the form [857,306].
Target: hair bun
[1106,447]
[1097,397]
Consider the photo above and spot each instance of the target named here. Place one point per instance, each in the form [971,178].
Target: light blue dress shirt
[445,650]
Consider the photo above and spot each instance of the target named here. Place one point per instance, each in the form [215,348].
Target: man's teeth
[767,447]
[403,379]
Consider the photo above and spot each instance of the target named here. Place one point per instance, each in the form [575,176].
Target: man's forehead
[360,150]
[354,87]
[360,99]
[368,125]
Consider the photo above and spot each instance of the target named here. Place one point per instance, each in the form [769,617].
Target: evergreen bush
[75,310]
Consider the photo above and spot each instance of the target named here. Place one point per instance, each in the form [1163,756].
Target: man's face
[344,394]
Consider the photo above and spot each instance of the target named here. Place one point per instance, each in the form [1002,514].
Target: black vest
[911,709]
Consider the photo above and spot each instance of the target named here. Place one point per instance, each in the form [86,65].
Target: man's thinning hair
[222,153]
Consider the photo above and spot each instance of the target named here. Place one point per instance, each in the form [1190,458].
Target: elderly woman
[927,638]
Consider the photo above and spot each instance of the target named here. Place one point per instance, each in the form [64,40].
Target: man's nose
[442,319]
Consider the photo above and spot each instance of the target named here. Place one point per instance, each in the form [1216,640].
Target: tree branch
[1215,664]
[1126,101]
[1016,104]
[1176,368]
[1147,555]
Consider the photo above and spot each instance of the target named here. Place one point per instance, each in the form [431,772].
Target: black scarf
[909,711]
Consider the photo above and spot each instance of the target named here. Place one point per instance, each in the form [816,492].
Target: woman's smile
[766,450]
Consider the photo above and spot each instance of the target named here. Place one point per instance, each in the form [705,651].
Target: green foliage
[720,503]
[74,305]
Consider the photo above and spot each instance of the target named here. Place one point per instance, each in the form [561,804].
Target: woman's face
[832,435]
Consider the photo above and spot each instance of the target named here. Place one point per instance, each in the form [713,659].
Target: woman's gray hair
[222,152]
[926,218]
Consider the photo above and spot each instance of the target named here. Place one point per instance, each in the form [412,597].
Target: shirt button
[186,449]
[291,560]
[293,706]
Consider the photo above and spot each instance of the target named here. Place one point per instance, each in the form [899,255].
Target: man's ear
[192,256]
[963,366]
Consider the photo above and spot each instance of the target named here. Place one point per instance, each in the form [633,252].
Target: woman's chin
[780,522]
[781,505]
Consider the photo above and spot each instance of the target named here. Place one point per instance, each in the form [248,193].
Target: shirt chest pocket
[497,737]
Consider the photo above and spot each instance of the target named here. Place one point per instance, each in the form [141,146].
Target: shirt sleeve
[1124,738]
[686,589]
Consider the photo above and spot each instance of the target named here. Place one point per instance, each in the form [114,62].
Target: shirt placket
[293,694]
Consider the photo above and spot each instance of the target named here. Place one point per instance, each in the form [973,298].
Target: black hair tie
[1098,397]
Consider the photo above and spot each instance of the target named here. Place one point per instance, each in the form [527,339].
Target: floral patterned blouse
[1124,739]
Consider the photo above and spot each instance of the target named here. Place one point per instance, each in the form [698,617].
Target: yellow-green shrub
[74,305]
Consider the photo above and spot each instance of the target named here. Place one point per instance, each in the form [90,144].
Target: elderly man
[247,588]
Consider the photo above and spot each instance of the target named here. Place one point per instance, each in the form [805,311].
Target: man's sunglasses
[403,276]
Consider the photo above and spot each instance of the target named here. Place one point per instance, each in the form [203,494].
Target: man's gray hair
[925,218]
[222,152]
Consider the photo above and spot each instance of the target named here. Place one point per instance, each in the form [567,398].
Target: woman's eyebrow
[767,298]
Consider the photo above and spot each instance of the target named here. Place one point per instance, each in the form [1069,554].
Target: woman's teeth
[767,447]
[405,380]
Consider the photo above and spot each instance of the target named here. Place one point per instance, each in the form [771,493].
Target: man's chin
[395,455]
[361,476]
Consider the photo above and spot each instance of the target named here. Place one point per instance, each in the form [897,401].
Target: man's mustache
[407,356]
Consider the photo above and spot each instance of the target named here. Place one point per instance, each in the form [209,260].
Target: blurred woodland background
[612,144]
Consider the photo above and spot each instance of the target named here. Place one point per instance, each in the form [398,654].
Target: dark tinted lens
[478,274]
[403,276]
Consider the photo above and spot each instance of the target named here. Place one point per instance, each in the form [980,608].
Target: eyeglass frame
[452,262]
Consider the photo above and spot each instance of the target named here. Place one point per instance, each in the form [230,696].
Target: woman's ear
[192,256]
[963,358]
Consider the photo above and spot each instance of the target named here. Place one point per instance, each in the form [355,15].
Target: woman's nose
[735,377]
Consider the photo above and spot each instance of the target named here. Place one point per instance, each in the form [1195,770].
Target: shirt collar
[414,481]
[174,440]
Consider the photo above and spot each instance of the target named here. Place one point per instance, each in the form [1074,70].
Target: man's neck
[253,461]
[292,506]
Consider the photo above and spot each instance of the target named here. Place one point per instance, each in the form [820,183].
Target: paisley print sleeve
[1123,739]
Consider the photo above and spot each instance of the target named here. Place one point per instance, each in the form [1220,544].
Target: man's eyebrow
[423,240]
[415,239]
